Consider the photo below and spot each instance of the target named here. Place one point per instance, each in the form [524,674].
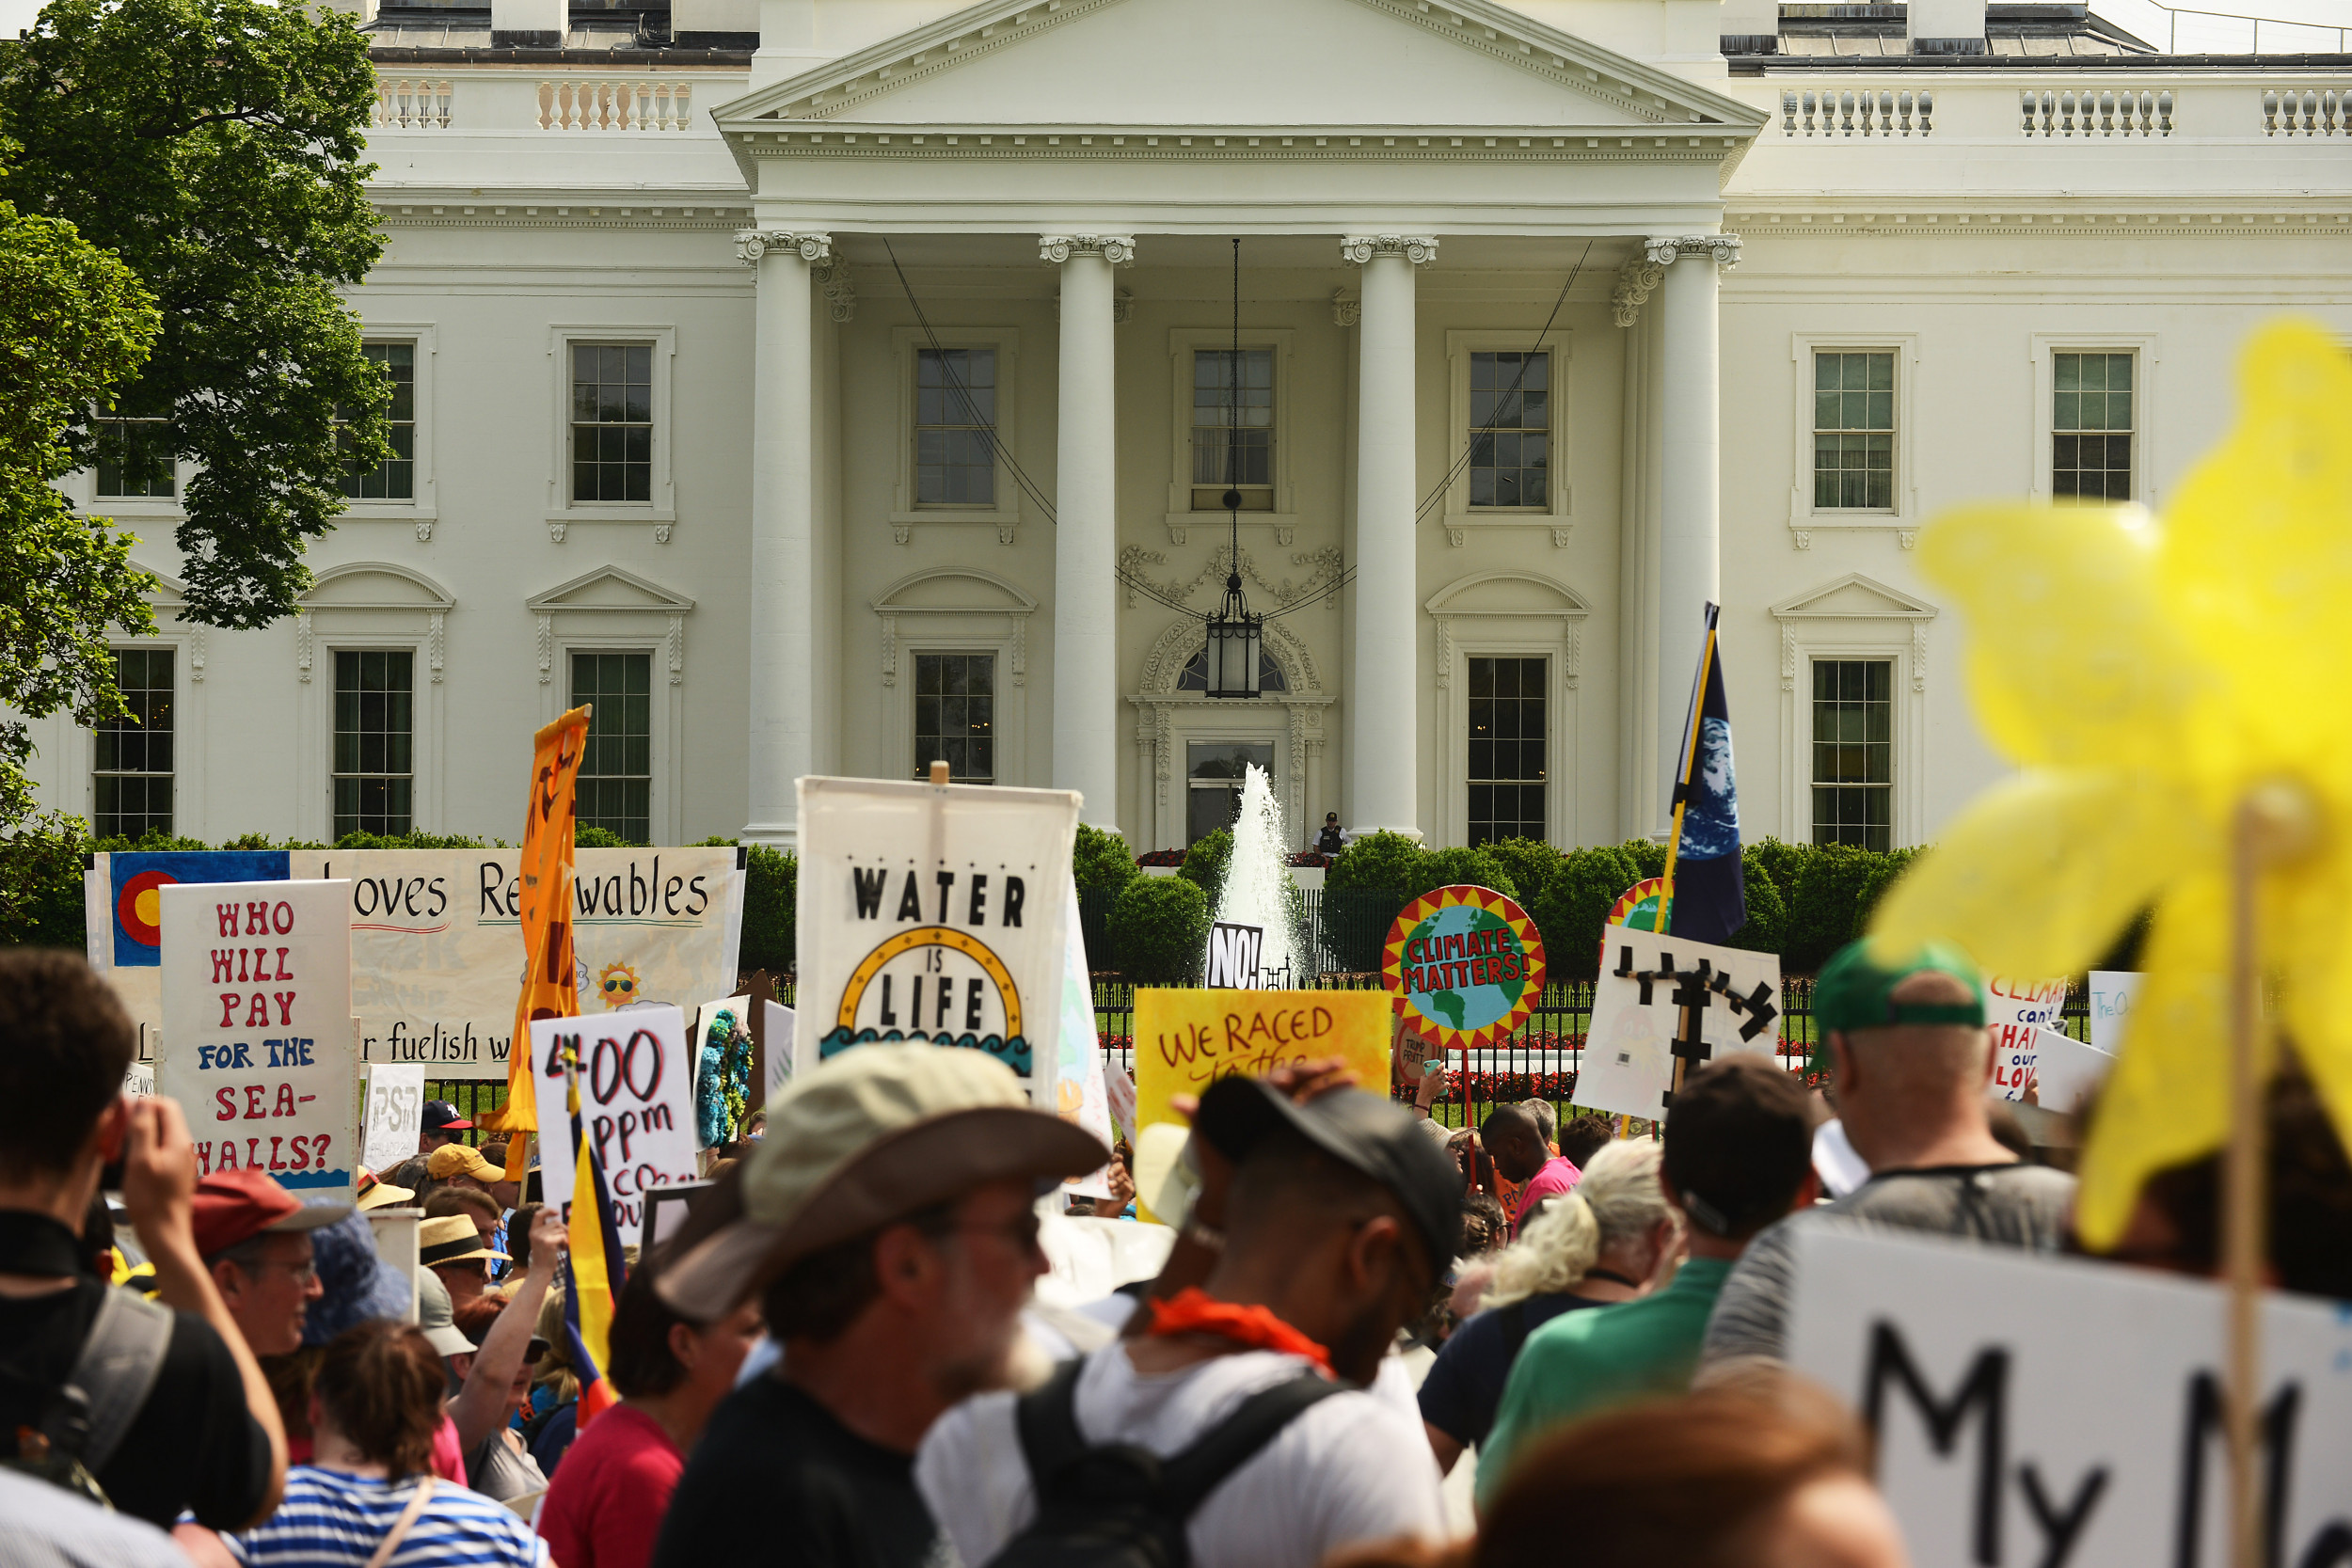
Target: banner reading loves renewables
[435,936]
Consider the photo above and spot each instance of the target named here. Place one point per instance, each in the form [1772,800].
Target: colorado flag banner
[135,874]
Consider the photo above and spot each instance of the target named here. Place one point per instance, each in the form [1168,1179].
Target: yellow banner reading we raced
[1187,1039]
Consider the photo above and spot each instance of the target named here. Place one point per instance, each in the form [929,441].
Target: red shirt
[604,1507]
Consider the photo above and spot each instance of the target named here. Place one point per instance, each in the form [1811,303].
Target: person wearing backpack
[158,1409]
[1232,1427]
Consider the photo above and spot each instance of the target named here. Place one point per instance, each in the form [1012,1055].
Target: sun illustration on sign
[1469,962]
[937,984]
[617,984]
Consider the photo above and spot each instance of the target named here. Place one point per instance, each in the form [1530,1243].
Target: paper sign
[1655,990]
[2112,993]
[395,1101]
[1233,954]
[2043,1410]
[138,1081]
[2037,1004]
[935,913]
[2066,1071]
[1187,1039]
[435,937]
[636,1106]
[1119,1089]
[784,1045]
[256,986]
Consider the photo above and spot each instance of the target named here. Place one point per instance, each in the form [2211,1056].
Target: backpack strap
[1047,1420]
[117,1370]
[1189,1476]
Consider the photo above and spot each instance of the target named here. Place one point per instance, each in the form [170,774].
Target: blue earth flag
[1711,897]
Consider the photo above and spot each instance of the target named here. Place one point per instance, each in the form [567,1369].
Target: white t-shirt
[1351,1468]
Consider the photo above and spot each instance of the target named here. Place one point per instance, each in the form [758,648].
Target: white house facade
[829,386]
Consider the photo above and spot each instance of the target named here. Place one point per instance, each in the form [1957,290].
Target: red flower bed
[1161,857]
[1310,857]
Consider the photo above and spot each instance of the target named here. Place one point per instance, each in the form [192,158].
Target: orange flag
[549,986]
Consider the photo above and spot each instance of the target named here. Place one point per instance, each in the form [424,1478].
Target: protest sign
[395,1101]
[1119,1089]
[256,990]
[2112,993]
[1663,996]
[1187,1039]
[2042,1410]
[1233,951]
[1467,963]
[139,1080]
[783,1036]
[2036,1004]
[935,913]
[436,937]
[1080,1094]
[636,1106]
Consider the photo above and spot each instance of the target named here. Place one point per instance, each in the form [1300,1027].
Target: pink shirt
[604,1507]
[1558,1176]
[449,1455]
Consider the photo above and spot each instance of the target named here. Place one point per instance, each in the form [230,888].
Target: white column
[1691,481]
[782,715]
[1085,532]
[1384,675]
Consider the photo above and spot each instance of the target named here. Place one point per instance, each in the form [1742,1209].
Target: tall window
[133,781]
[1507,742]
[1510,464]
[955,413]
[1233,428]
[374,741]
[1853,430]
[2091,426]
[1214,772]
[611,422]
[135,458]
[955,715]
[616,769]
[395,478]
[1854,751]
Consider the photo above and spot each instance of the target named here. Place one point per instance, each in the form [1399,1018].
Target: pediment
[375,585]
[950,590]
[1851,597]
[1384,63]
[168,590]
[1507,593]
[610,588]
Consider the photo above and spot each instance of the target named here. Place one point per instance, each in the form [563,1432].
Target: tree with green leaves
[74,324]
[214,145]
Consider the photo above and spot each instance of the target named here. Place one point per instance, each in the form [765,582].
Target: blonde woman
[1604,1242]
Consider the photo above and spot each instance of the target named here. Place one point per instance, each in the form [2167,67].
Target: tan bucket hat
[451,1239]
[874,1134]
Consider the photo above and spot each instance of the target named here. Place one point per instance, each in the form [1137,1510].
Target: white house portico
[894,356]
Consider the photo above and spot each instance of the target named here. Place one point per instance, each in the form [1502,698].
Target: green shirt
[1582,1362]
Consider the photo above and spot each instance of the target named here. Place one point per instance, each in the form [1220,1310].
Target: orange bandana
[1194,1311]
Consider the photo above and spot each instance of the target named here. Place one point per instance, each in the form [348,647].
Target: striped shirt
[334,1519]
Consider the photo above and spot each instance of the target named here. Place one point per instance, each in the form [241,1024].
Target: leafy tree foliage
[214,146]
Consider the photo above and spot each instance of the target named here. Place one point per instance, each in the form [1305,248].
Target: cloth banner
[1663,996]
[257,1040]
[436,946]
[548,987]
[636,1107]
[2046,1410]
[1187,1039]
[935,913]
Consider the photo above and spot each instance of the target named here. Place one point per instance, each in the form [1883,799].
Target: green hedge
[1159,930]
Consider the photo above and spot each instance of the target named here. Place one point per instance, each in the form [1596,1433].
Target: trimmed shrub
[1377,862]
[583,838]
[1821,912]
[1767,912]
[1160,930]
[1101,861]
[1777,861]
[1531,864]
[1649,858]
[1572,907]
[1204,866]
[772,890]
[1471,867]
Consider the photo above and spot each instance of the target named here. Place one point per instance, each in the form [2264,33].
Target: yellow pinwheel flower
[2146,676]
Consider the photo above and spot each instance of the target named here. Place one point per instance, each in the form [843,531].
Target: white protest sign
[139,1080]
[2112,993]
[2066,1071]
[2043,1410]
[256,984]
[783,1042]
[1656,990]
[2037,1003]
[1119,1089]
[935,913]
[395,1101]
[1233,956]
[636,1106]
[437,941]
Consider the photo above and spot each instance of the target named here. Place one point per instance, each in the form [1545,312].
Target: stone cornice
[1251,144]
[2086,221]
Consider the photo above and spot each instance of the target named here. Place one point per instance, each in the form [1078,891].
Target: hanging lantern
[1236,639]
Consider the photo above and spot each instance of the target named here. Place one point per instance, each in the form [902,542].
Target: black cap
[1365,1132]
[439,1116]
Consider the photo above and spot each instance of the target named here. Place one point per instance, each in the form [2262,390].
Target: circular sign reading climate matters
[1468,962]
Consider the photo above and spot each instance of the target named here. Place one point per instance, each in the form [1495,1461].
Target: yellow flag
[549,987]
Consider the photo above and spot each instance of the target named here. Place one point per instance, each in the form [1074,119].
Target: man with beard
[887,1224]
[1338,1218]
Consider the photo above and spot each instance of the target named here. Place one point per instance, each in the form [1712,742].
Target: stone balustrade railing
[2312,111]
[2100,111]
[411,104]
[1841,111]
[591,105]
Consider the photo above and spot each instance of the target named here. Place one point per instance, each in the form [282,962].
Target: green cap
[1855,989]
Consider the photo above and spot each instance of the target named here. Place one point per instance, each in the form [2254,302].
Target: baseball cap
[461,1160]
[439,1116]
[868,1138]
[450,1238]
[1856,987]
[1364,1130]
[435,1319]
[231,1206]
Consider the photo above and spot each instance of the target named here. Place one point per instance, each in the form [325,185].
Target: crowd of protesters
[840,1359]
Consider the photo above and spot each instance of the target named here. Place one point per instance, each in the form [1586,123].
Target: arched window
[1196,675]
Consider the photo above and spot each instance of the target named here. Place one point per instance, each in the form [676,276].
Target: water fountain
[1257,878]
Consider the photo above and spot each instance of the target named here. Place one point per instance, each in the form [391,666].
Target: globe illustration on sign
[1710,818]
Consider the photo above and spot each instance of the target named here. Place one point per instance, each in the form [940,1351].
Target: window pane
[1232,427]
[955,416]
[132,785]
[1854,399]
[374,747]
[611,422]
[955,715]
[1509,423]
[1854,751]
[135,458]
[616,765]
[1506,750]
[2091,418]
